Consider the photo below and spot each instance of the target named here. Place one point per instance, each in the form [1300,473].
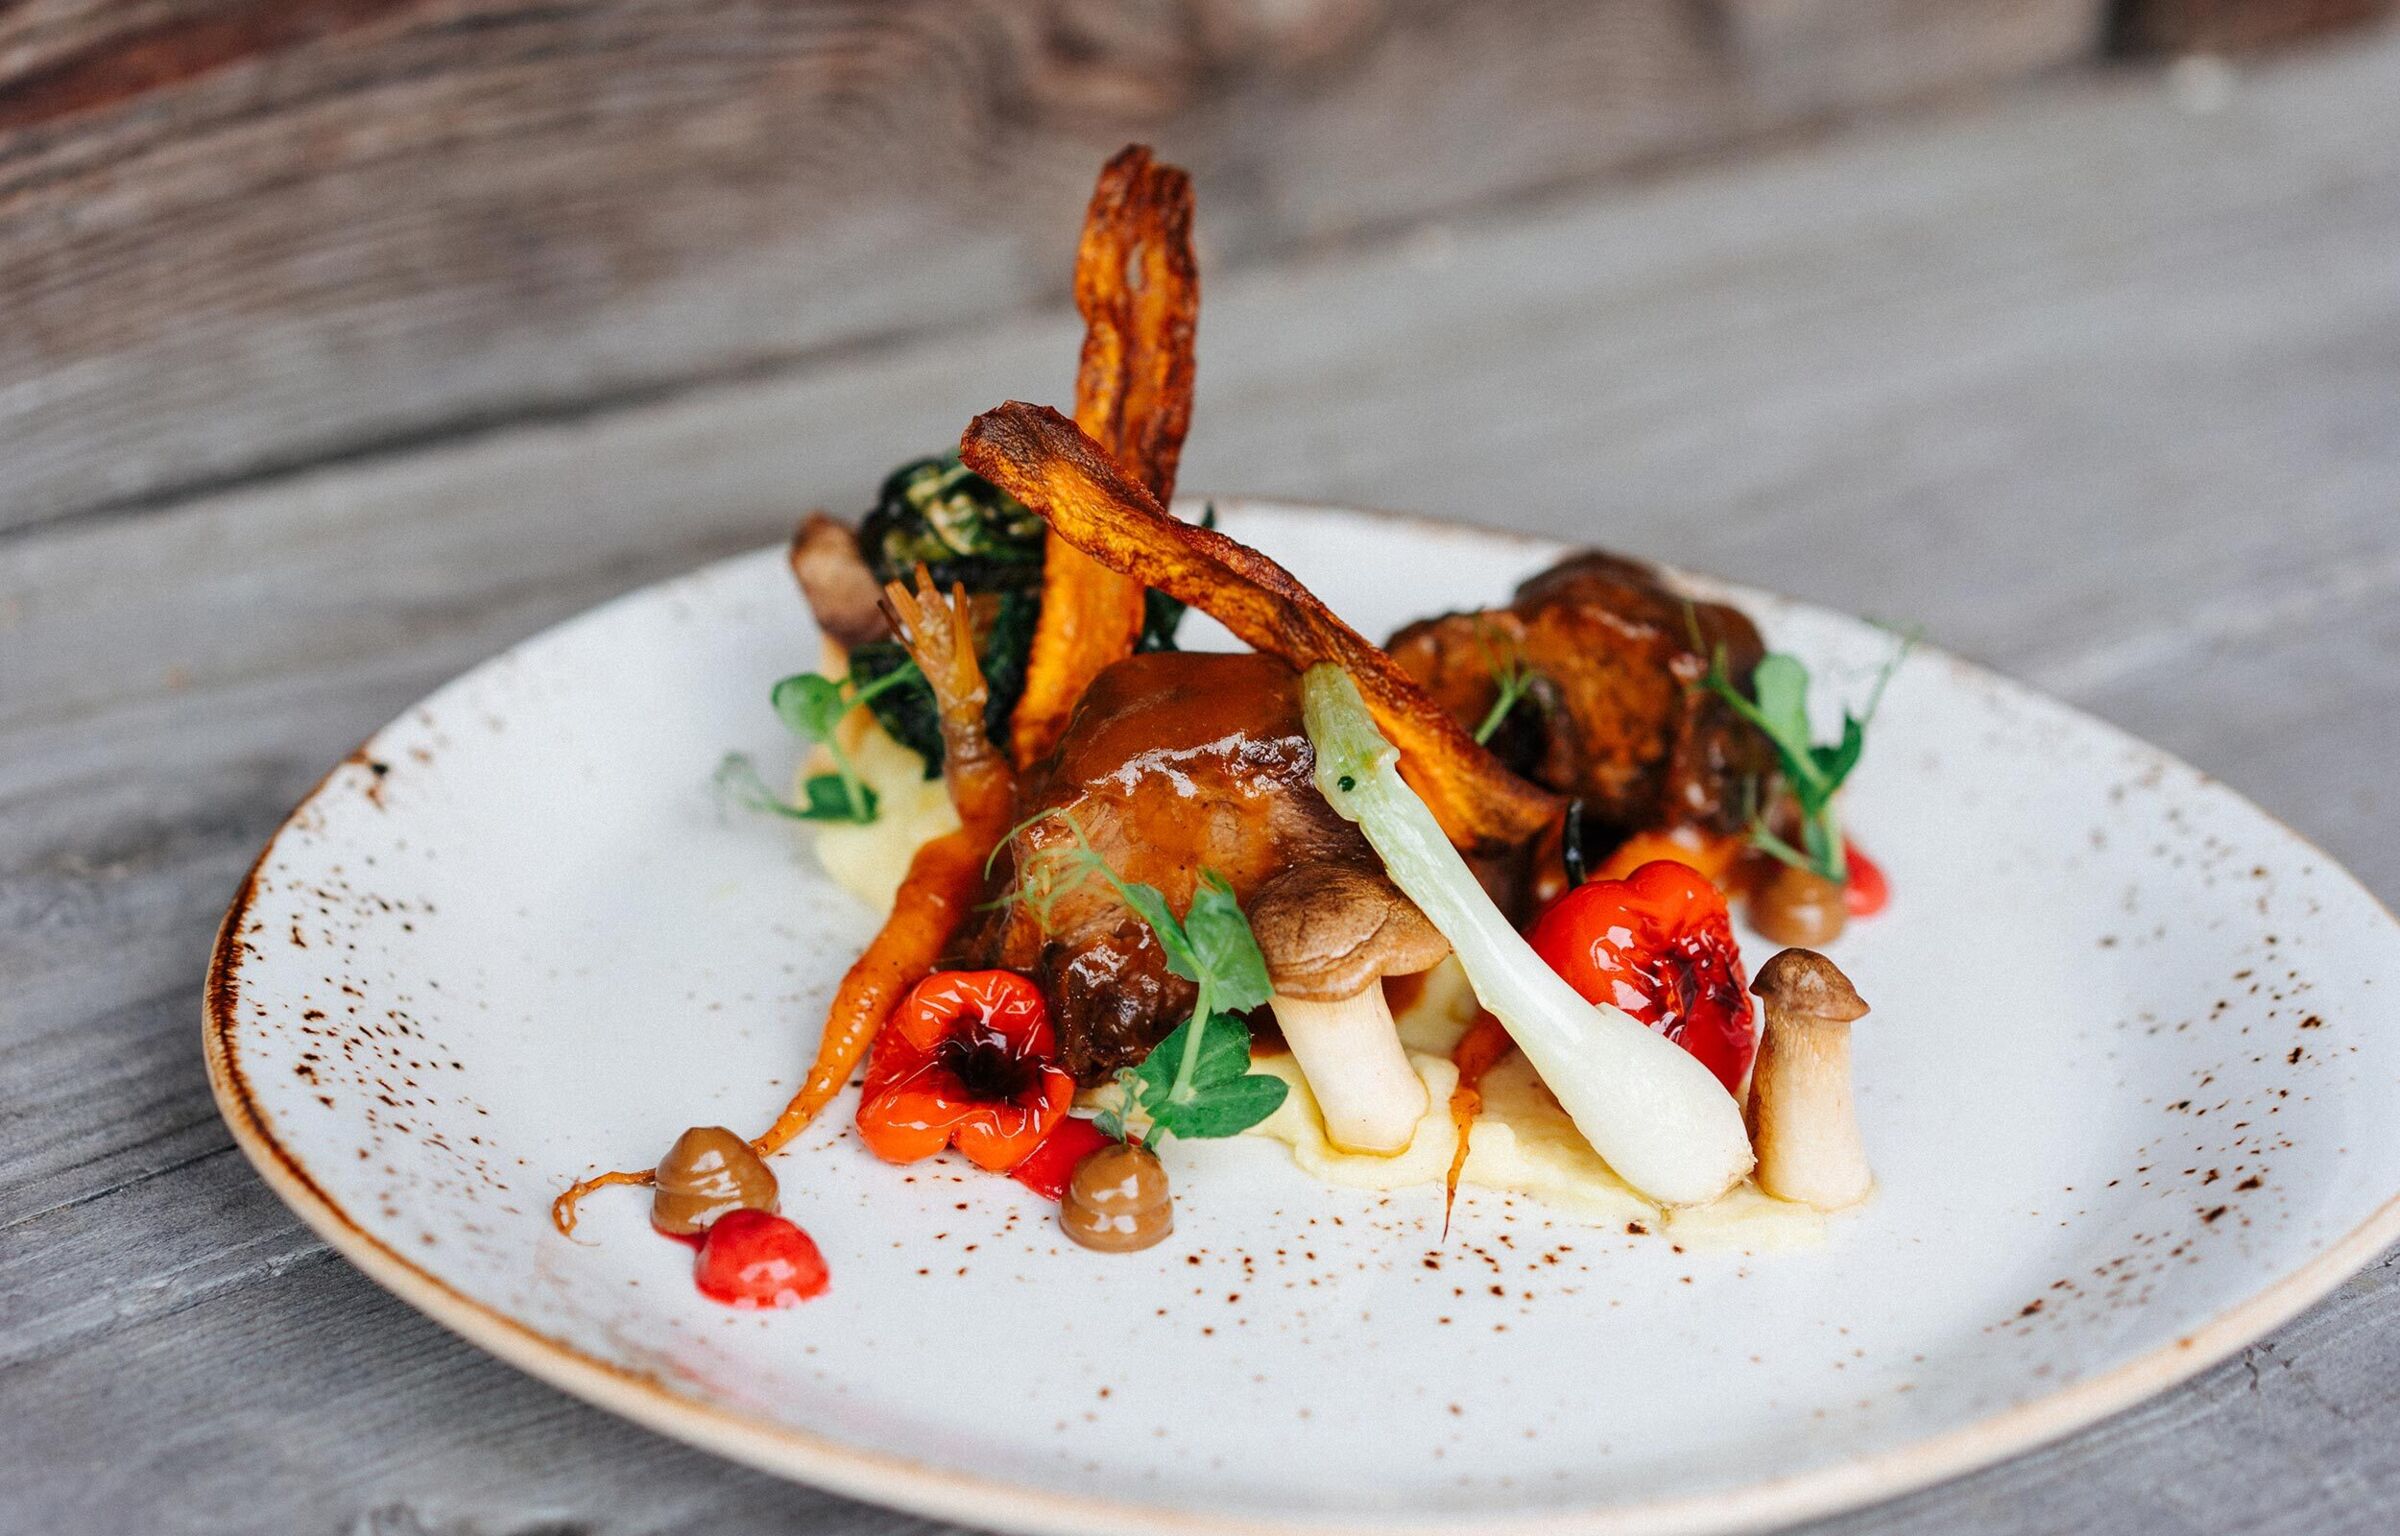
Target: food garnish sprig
[1513,676]
[1195,1084]
[1778,705]
[812,707]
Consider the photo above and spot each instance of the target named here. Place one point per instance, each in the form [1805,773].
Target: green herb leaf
[1224,1056]
[1781,687]
[1227,1109]
[1150,905]
[1222,1096]
[1112,1116]
[1778,705]
[829,799]
[810,705]
[1226,950]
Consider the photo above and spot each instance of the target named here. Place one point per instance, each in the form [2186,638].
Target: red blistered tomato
[753,1260]
[966,1060]
[1659,945]
[1048,1168]
[1868,890]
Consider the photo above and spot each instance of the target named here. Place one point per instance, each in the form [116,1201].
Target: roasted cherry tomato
[966,1060]
[755,1259]
[1048,1168]
[1658,945]
[1868,890]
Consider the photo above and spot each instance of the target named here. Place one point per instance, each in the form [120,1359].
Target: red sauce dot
[753,1260]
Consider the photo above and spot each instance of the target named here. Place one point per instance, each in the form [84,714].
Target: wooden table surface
[2099,381]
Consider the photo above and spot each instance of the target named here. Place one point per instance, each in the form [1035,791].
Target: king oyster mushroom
[1330,933]
[1802,1125]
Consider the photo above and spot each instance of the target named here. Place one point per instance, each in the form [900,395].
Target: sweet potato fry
[1138,289]
[1043,460]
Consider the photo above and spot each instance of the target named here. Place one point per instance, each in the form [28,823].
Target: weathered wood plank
[2106,387]
[238,237]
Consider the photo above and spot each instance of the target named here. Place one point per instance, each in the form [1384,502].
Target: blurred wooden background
[240,236]
[345,342]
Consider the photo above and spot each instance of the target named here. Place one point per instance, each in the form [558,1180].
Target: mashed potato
[911,810]
[1521,1144]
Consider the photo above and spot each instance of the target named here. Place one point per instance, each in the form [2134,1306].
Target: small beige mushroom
[1802,1124]
[841,591]
[1331,932]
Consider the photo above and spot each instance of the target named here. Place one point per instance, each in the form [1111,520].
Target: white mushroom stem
[1350,1053]
[1802,1122]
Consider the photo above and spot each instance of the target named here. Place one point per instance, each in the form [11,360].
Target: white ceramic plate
[2127,1083]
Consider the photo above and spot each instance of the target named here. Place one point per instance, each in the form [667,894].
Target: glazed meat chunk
[1615,714]
[1174,763]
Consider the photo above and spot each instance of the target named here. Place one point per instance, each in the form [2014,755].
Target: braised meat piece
[1614,713]
[1174,762]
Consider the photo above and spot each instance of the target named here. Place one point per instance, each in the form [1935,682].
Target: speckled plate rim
[919,1488]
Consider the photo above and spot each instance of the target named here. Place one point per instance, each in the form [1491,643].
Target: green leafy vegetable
[1778,705]
[961,527]
[1003,650]
[1197,1082]
[964,530]
[907,712]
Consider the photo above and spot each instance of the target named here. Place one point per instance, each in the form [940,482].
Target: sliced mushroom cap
[1801,981]
[1331,930]
[841,590]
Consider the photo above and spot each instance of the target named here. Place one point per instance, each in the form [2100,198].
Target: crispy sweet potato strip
[1138,289]
[1040,458]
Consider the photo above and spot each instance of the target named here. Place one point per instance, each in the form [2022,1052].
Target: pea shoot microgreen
[811,706]
[1196,1083]
[1513,675]
[1778,705]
